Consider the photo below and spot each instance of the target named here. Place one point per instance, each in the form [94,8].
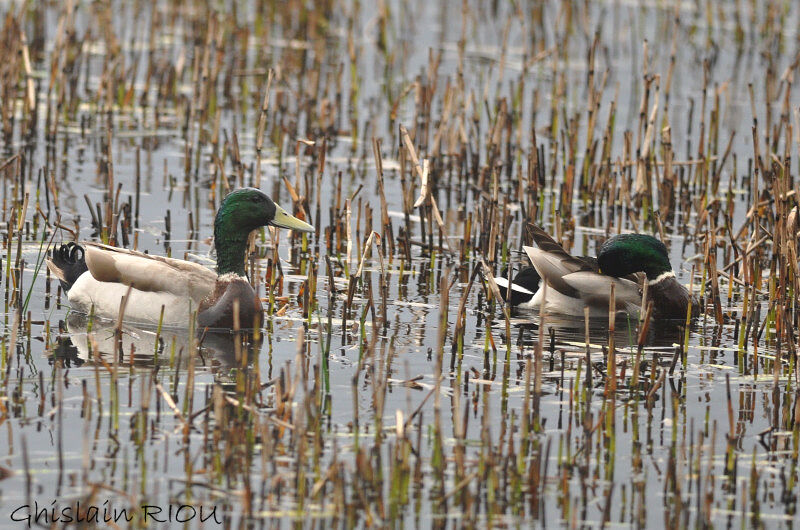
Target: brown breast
[671,300]
[217,310]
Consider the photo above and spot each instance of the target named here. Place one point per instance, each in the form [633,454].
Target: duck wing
[149,273]
[551,246]
[595,289]
[552,267]
[552,263]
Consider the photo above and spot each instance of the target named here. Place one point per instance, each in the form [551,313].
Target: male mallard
[98,276]
[626,260]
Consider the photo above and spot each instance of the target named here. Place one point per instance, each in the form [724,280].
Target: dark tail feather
[527,278]
[67,264]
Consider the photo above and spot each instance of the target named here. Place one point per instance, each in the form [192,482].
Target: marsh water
[157,106]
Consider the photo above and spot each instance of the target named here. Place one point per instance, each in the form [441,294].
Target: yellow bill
[283,219]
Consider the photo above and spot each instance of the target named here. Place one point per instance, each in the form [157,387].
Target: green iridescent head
[629,253]
[241,212]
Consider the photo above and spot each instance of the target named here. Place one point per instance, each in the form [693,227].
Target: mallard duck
[96,277]
[573,283]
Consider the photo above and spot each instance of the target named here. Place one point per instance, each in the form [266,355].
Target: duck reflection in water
[564,345]
[221,351]
[662,333]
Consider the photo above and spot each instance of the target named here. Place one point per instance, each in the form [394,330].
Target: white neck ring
[661,277]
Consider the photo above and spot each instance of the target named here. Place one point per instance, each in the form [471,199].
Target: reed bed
[389,384]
